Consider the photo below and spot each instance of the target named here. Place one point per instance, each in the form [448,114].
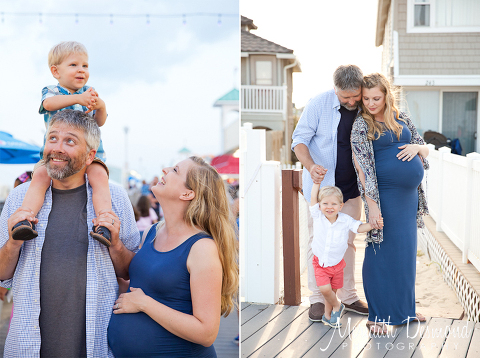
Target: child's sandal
[24,231]
[101,234]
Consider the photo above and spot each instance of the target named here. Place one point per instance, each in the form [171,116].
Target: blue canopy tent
[14,151]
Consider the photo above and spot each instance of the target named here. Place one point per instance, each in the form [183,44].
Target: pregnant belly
[393,172]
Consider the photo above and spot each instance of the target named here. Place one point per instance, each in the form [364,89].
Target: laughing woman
[185,276]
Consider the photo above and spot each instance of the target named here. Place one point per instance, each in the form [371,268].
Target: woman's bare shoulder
[203,252]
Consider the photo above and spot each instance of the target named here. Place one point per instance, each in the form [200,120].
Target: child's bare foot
[24,231]
[101,234]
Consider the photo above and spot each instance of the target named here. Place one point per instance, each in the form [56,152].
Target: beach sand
[433,296]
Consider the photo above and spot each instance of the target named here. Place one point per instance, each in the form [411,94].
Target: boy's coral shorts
[332,275]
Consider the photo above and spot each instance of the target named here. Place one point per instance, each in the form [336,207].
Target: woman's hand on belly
[408,152]
[131,302]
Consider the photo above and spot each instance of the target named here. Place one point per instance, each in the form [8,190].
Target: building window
[443,16]
[264,73]
[424,109]
[459,118]
[422,13]
[457,13]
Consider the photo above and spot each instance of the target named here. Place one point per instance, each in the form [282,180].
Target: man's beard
[350,108]
[72,167]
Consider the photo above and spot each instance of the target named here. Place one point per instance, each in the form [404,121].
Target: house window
[455,116]
[457,13]
[422,13]
[264,73]
[424,109]
[459,118]
[443,16]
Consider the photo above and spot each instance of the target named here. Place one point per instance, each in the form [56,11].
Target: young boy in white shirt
[330,241]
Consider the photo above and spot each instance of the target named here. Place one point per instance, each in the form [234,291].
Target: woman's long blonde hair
[391,112]
[210,211]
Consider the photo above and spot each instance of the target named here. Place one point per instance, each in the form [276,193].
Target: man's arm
[121,257]
[302,136]
[303,154]
[317,172]
[10,252]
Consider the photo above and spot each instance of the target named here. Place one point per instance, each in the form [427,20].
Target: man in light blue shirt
[64,282]
[321,141]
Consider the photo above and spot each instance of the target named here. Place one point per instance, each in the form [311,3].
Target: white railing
[453,195]
[269,99]
[260,220]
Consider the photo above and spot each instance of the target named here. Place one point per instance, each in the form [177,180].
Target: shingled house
[266,89]
[432,49]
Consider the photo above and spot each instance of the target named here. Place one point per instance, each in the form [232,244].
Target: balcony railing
[269,99]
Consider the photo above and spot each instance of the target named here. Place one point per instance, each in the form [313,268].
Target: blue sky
[159,79]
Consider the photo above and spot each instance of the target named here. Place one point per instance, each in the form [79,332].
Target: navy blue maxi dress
[164,277]
[389,268]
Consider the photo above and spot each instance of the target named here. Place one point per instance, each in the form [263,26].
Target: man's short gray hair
[348,78]
[81,121]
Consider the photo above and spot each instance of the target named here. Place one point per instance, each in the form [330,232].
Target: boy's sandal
[372,328]
[101,234]
[332,322]
[24,231]
[420,317]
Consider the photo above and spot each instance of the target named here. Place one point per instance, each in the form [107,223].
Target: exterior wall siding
[387,53]
[435,53]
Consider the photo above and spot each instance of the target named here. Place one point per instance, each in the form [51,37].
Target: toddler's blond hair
[59,52]
[330,190]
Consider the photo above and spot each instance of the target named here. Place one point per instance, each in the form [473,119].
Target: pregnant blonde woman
[389,158]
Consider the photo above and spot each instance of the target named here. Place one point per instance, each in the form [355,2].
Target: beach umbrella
[14,151]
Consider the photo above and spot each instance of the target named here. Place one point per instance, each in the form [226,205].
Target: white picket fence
[453,196]
[261,271]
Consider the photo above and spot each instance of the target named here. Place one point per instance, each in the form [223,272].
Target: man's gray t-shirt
[63,276]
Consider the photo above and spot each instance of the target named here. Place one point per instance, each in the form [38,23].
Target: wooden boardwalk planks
[286,332]
[406,340]
[285,328]
[474,348]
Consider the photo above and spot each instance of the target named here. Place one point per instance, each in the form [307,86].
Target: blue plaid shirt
[23,338]
[57,90]
[317,129]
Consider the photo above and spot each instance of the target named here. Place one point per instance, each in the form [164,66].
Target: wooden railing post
[291,184]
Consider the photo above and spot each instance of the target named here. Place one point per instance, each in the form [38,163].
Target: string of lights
[112,16]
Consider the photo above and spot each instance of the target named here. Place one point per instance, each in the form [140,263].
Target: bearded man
[64,282]
[321,142]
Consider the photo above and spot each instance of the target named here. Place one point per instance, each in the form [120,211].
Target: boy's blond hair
[59,52]
[330,190]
